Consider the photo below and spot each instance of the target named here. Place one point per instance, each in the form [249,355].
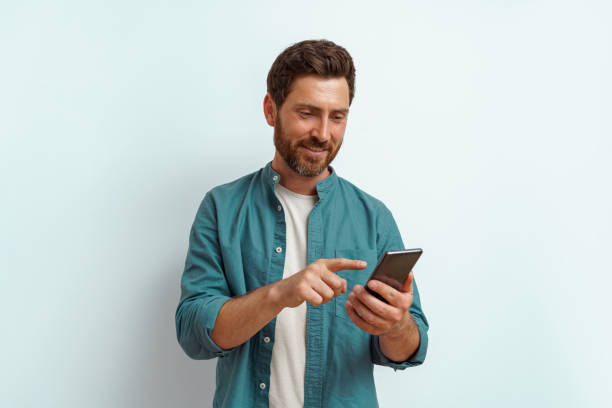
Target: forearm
[398,345]
[241,318]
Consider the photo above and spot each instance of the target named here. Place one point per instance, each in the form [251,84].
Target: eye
[305,113]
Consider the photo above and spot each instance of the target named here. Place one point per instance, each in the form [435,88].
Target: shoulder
[372,207]
[235,189]
[352,192]
[228,196]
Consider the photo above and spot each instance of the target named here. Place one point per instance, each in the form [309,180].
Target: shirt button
[279,208]
[279,250]
[266,339]
[262,386]
[275,178]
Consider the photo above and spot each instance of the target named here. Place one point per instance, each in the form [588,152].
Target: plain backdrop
[485,126]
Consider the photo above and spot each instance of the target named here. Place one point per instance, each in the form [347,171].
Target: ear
[270,111]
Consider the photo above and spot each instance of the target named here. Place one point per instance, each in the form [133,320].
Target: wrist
[401,329]
[275,296]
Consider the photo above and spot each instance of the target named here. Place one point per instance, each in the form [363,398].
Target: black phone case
[393,268]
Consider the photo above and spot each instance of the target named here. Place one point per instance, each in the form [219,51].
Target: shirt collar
[324,187]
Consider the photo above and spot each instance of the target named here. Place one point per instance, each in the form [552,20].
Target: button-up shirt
[236,245]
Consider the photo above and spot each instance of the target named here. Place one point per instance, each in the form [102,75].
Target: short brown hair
[320,57]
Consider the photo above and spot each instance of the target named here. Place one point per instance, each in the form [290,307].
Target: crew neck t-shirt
[289,351]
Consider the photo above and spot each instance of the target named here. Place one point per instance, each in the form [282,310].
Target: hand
[317,283]
[375,316]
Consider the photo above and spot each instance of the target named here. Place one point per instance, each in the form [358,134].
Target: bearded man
[273,255]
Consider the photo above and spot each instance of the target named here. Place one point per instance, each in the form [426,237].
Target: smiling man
[273,256]
[307,147]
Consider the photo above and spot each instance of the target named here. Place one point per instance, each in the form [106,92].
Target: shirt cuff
[208,312]
[416,359]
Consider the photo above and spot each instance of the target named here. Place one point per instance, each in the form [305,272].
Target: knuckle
[363,313]
[397,317]
[301,288]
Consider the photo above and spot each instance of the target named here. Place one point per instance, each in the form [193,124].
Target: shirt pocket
[246,268]
[353,277]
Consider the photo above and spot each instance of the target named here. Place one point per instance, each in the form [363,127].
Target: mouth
[313,152]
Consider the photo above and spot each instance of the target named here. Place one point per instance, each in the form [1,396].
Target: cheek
[338,133]
[297,130]
[337,139]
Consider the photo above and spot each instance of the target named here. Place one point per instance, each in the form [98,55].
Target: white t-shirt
[289,351]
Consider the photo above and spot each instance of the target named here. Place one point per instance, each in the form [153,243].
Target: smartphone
[393,268]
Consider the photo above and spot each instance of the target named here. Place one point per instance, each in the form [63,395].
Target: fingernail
[363,263]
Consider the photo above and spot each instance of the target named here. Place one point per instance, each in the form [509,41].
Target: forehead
[319,91]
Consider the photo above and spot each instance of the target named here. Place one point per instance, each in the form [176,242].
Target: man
[273,254]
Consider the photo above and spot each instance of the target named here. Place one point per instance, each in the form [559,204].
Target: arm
[241,318]
[204,288]
[399,329]
[400,346]
[209,322]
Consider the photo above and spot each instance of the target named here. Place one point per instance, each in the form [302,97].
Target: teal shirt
[237,245]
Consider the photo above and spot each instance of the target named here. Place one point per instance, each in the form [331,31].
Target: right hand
[318,283]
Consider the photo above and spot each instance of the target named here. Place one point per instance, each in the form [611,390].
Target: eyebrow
[316,108]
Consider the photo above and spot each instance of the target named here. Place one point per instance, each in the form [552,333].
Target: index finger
[393,296]
[340,264]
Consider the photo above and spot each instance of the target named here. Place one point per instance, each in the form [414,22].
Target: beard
[298,160]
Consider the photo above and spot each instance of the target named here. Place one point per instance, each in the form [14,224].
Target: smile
[315,153]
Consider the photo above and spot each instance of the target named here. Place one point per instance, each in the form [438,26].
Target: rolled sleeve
[208,316]
[416,359]
[389,238]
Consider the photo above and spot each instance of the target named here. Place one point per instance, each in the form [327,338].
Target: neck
[293,181]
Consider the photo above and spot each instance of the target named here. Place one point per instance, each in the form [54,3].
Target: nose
[322,131]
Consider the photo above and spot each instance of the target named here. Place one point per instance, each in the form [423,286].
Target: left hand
[375,316]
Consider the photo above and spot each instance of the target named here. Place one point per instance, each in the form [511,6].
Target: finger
[359,322]
[366,313]
[335,282]
[341,264]
[314,298]
[376,305]
[394,297]
[323,290]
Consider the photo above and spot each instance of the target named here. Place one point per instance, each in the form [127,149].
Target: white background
[483,125]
